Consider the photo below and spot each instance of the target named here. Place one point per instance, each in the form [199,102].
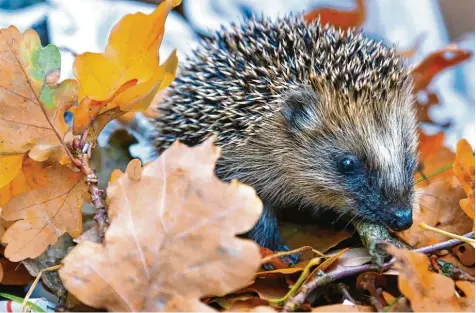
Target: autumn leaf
[434,63]
[426,290]
[127,75]
[436,205]
[435,159]
[172,237]
[464,171]
[13,274]
[9,167]
[42,215]
[32,103]
[31,176]
[425,100]
[339,18]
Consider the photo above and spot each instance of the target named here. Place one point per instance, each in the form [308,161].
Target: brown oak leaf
[42,215]
[426,290]
[172,237]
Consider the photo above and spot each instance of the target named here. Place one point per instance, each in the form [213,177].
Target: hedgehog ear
[300,109]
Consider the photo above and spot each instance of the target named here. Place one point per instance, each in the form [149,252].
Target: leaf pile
[167,235]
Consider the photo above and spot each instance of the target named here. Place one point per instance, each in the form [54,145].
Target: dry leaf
[339,18]
[42,215]
[318,237]
[437,205]
[464,170]
[14,274]
[434,63]
[426,290]
[127,75]
[31,176]
[435,159]
[9,167]
[172,237]
[32,103]
[277,263]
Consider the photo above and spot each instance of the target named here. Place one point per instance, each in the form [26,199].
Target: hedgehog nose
[402,219]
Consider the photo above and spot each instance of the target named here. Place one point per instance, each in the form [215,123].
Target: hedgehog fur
[310,116]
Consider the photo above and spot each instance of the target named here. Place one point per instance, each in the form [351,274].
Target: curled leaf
[436,62]
[127,75]
[172,237]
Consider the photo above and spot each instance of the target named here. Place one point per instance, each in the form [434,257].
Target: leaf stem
[35,283]
[447,234]
[284,253]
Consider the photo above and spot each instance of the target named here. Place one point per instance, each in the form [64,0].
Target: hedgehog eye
[348,164]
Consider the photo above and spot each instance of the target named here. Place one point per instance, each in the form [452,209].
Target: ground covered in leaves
[164,236]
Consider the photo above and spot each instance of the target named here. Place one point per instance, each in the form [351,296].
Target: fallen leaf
[426,290]
[127,75]
[277,263]
[319,238]
[9,167]
[352,257]
[30,177]
[172,237]
[32,103]
[454,259]
[14,274]
[42,215]
[438,206]
[465,254]
[435,159]
[339,18]
[464,170]
[424,72]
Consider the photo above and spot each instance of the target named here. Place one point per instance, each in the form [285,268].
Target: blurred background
[77,26]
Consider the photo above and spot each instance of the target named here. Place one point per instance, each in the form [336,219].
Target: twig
[447,234]
[345,293]
[296,301]
[35,283]
[82,148]
[284,253]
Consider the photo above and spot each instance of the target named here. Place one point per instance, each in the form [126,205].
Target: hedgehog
[314,118]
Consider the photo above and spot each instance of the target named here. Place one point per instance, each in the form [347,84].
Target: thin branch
[447,234]
[295,302]
[83,148]
[284,253]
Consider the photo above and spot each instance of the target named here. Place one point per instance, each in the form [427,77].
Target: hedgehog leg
[266,234]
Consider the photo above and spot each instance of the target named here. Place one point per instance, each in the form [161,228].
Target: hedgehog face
[362,154]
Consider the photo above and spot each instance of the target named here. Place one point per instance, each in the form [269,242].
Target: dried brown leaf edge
[172,238]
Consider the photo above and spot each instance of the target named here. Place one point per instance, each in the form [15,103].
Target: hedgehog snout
[402,219]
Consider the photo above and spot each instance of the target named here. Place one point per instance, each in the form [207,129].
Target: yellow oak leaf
[128,74]
[42,215]
[172,238]
[464,170]
[9,167]
[30,177]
